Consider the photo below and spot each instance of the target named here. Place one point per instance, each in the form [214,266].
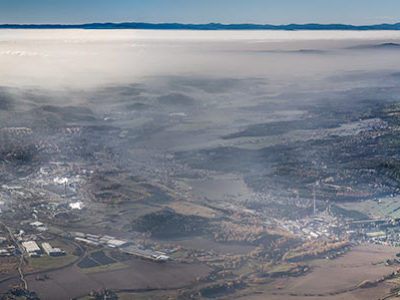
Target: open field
[362,294]
[103,268]
[49,262]
[187,208]
[382,208]
[206,244]
[140,274]
[161,295]
[337,279]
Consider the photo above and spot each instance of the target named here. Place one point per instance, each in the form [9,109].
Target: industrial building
[52,251]
[116,243]
[78,234]
[36,224]
[96,240]
[32,248]
[89,242]
[39,226]
[7,251]
[156,256]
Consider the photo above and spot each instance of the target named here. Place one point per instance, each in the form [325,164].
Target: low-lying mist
[262,104]
[91,58]
[199,164]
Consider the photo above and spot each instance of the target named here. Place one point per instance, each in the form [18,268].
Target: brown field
[8,266]
[337,279]
[208,245]
[361,294]
[140,274]
[186,208]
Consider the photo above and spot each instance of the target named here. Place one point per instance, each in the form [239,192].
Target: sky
[276,12]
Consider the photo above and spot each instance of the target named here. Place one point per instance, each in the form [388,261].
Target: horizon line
[202,26]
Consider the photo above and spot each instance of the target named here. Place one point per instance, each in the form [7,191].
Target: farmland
[137,275]
[337,279]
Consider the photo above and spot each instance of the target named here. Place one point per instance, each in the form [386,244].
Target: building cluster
[378,231]
[157,256]
[33,249]
[313,227]
[9,250]
[52,251]
[39,226]
[6,248]
[98,240]
[123,245]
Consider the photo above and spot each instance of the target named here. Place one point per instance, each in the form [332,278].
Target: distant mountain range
[377,46]
[210,26]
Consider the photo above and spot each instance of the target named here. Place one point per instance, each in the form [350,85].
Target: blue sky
[201,11]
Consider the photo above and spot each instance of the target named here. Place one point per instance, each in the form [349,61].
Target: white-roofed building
[116,243]
[52,251]
[36,224]
[32,248]
[89,242]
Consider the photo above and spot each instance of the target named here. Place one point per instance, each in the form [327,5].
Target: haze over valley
[199,164]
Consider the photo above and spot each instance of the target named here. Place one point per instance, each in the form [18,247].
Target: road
[21,261]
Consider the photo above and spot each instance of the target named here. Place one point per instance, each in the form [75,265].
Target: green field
[50,262]
[384,208]
[280,268]
[348,213]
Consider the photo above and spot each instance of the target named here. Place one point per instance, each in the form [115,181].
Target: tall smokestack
[314,204]
[314,197]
